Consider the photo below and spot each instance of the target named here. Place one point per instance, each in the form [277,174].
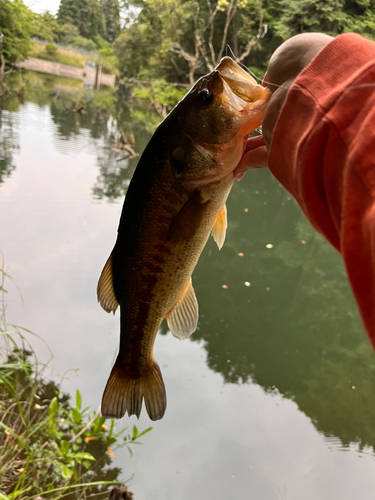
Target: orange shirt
[323,152]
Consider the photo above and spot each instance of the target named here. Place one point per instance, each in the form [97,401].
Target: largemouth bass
[175,199]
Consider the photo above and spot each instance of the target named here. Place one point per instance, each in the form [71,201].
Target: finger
[253,143]
[255,158]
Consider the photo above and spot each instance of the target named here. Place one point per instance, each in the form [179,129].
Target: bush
[48,446]
[84,43]
[51,49]
[68,33]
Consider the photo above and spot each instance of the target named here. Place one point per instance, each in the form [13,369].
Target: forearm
[322,151]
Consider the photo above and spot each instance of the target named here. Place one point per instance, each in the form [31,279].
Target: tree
[290,17]
[190,37]
[86,15]
[68,33]
[136,48]
[111,12]
[46,27]
[16,22]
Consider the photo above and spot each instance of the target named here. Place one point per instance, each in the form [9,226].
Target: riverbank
[91,75]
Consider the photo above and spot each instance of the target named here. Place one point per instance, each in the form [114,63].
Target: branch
[262,30]
[176,67]
[203,54]
[211,25]
[231,11]
[178,49]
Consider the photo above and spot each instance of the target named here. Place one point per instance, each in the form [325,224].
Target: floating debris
[269,245]
[303,242]
[256,192]
[224,286]
[123,144]
[247,283]
[246,209]
[240,254]
[268,289]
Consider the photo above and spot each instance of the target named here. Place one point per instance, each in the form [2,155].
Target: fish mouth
[240,89]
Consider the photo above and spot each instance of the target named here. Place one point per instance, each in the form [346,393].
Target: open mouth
[241,84]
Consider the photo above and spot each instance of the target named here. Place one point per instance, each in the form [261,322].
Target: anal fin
[219,229]
[106,294]
[183,318]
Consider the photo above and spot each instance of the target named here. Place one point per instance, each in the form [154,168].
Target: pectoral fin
[188,220]
[219,229]
[106,294]
[183,318]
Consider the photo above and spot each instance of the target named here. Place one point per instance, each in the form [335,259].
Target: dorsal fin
[219,229]
[106,294]
[183,318]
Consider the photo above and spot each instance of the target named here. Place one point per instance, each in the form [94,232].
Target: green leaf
[64,447]
[65,471]
[145,431]
[78,399]
[15,494]
[135,432]
[86,464]
[53,407]
[77,417]
[84,456]
[18,439]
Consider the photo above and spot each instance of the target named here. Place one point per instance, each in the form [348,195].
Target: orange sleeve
[323,152]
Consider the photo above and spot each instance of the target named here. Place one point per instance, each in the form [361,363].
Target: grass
[49,447]
[50,52]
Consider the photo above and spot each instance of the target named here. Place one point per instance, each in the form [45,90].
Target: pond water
[271,398]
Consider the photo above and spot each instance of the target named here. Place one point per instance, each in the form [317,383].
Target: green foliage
[51,49]
[111,12]
[86,15]
[334,17]
[107,58]
[161,92]
[45,27]
[83,43]
[69,32]
[50,52]
[49,445]
[182,40]
[16,24]
[136,49]
[287,18]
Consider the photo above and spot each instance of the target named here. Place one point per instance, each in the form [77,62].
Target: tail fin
[124,394]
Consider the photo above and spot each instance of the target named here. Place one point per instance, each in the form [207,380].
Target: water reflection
[114,177]
[292,329]
[8,145]
[295,329]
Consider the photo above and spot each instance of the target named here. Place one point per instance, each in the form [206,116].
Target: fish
[176,198]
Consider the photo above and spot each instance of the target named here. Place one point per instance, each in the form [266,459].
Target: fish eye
[205,97]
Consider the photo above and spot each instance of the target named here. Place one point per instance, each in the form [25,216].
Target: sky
[41,6]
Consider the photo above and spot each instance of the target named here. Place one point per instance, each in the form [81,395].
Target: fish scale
[175,199]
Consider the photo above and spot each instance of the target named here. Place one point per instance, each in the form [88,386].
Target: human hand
[285,65]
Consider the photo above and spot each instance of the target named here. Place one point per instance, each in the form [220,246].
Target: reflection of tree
[115,169]
[114,177]
[8,143]
[295,329]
